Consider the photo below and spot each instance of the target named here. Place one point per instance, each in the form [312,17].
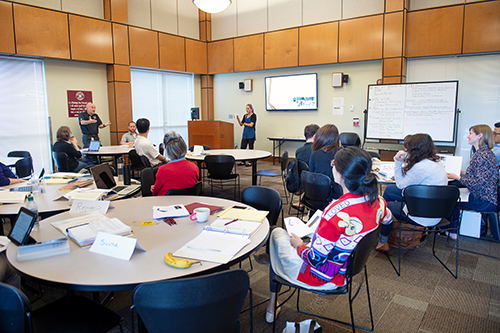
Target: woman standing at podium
[248,122]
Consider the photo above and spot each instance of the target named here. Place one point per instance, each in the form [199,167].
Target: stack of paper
[12,197]
[298,227]
[86,234]
[244,214]
[160,212]
[239,227]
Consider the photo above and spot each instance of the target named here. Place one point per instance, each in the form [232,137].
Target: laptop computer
[94,146]
[28,188]
[103,179]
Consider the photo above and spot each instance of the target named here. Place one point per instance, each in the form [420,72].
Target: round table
[85,270]
[238,154]
[114,151]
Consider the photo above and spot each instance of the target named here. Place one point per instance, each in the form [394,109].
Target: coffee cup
[200,214]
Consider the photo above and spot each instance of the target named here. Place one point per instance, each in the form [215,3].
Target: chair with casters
[271,173]
[24,167]
[136,163]
[61,160]
[220,169]
[148,178]
[431,201]
[67,314]
[348,139]
[317,191]
[208,303]
[195,190]
[301,166]
[356,263]
[161,148]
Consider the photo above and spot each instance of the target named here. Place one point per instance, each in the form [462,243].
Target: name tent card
[115,246]
[89,206]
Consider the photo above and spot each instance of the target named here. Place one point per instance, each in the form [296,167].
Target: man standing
[304,152]
[129,137]
[144,147]
[90,124]
[496,139]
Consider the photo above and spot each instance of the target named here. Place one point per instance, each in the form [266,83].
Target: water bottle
[34,208]
[35,185]
[120,169]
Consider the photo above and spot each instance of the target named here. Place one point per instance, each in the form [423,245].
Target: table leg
[254,173]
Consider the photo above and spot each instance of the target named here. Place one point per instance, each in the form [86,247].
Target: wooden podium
[214,133]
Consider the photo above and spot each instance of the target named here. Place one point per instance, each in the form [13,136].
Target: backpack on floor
[292,178]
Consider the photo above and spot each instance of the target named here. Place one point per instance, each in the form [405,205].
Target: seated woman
[178,173]
[481,177]
[356,213]
[418,164]
[67,144]
[325,145]
[7,177]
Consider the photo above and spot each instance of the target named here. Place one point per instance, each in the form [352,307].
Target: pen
[231,221]
[75,226]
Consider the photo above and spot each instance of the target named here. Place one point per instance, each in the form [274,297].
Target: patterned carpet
[425,298]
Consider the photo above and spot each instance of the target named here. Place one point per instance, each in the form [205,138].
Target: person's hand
[296,241]
[107,124]
[152,188]
[400,156]
[91,121]
[452,176]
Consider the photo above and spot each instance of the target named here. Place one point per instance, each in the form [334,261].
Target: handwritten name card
[115,246]
[89,206]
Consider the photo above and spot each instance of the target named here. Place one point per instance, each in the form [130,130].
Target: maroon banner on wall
[77,101]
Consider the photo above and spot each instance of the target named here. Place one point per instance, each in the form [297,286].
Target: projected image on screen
[292,93]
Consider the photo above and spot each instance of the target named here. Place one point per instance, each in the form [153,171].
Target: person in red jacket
[178,173]
[322,263]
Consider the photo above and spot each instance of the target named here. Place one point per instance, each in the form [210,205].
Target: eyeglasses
[495,133]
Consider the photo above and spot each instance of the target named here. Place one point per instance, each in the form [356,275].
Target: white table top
[84,270]
[109,150]
[238,154]
[9,160]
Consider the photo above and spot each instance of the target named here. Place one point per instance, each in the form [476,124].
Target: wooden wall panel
[221,57]
[393,34]
[172,52]
[91,39]
[249,53]
[394,79]
[281,48]
[116,10]
[394,5]
[143,47]
[196,56]
[7,44]
[41,32]
[361,39]
[392,67]
[434,32]
[318,44]
[120,44]
[112,107]
[118,73]
[482,27]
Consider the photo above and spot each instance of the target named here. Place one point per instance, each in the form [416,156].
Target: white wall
[229,100]
[93,8]
[478,89]
[73,75]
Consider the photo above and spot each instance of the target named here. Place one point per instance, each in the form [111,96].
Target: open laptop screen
[103,176]
[94,145]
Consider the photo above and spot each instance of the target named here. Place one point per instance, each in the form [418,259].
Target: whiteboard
[397,110]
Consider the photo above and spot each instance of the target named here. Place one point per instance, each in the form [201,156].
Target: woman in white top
[418,164]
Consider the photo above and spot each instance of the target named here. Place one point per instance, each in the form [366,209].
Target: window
[165,99]
[24,114]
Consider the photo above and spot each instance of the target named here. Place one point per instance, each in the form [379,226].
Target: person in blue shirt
[248,122]
[7,177]
[496,140]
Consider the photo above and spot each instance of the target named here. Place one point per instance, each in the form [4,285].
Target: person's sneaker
[453,236]
[382,247]
[241,163]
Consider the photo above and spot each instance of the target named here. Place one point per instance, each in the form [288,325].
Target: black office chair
[205,147]
[24,167]
[136,163]
[195,190]
[430,201]
[299,190]
[271,173]
[19,153]
[317,191]
[67,314]
[220,169]
[147,179]
[161,148]
[145,161]
[348,139]
[264,198]
[209,303]
[61,160]
[356,263]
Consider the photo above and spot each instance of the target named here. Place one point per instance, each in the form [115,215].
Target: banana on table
[177,262]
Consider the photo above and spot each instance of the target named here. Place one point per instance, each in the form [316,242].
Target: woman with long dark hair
[418,164]
[343,223]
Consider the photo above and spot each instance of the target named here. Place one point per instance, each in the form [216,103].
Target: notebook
[94,146]
[103,179]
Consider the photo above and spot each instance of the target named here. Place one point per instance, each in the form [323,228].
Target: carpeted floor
[425,298]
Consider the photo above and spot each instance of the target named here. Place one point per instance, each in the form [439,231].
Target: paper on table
[89,206]
[452,164]
[86,219]
[86,234]
[83,194]
[4,242]
[213,246]
[160,212]
[12,197]
[244,214]
[386,169]
[246,228]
